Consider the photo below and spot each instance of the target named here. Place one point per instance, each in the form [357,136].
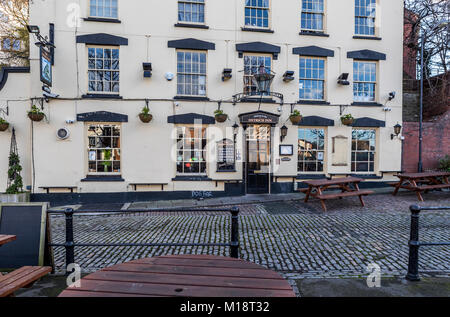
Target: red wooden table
[422,182]
[183,275]
[4,239]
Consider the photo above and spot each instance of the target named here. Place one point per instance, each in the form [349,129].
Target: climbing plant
[15,181]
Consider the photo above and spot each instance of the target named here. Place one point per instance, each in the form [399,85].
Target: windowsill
[366,176]
[103,178]
[361,37]
[256,100]
[311,176]
[250,29]
[191,98]
[226,171]
[191,25]
[312,33]
[191,179]
[367,104]
[106,20]
[313,102]
[101,96]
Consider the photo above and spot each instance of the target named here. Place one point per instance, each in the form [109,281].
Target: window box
[103,178]
[101,96]
[310,33]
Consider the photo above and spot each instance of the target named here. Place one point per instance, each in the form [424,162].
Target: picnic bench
[348,186]
[4,239]
[422,182]
[184,276]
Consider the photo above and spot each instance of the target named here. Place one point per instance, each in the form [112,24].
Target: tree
[421,19]
[15,181]
[14,35]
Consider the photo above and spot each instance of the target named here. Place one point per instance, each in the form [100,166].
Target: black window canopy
[258,47]
[191,118]
[369,123]
[313,51]
[102,39]
[191,44]
[367,55]
[102,116]
[315,121]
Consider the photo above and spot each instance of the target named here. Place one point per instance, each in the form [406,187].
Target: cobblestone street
[296,239]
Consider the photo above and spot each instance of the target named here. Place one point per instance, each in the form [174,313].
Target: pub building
[221,81]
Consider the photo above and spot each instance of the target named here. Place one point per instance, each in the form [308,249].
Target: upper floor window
[104,9]
[364,81]
[9,44]
[365,12]
[312,15]
[363,150]
[312,78]
[103,69]
[252,65]
[191,11]
[311,150]
[104,148]
[191,150]
[191,73]
[257,13]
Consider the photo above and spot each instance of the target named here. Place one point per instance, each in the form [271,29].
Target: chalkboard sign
[225,155]
[28,222]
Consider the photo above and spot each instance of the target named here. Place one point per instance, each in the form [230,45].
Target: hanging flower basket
[221,117]
[347,120]
[145,117]
[4,126]
[36,116]
[296,119]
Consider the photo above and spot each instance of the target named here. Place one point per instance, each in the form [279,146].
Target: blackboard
[27,221]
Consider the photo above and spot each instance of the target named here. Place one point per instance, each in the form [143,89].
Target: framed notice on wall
[286,150]
[46,66]
[226,156]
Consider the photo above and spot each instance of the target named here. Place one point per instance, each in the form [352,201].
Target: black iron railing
[415,244]
[70,244]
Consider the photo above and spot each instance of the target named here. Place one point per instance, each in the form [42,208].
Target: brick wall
[436,143]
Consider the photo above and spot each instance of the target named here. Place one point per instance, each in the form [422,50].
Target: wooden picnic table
[185,276]
[4,239]
[348,185]
[422,182]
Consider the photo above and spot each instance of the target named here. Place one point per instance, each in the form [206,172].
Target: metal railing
[415,244]
[70,244]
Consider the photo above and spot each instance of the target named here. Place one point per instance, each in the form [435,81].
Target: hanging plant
[220,116]
[295,117]
[35,114]
[145,115]
[347,119]
[4,125]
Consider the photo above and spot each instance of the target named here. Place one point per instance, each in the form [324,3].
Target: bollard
[234,244]
[69,245]
[413,264]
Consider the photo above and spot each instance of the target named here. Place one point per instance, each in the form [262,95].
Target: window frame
[375,29]
[204,150]
[192,74]
[249,54]
[102,17]
[88,148]
[324,80]
[87,71]
[375,83]
[375,152]
[11,46]
[191,22]
[315,13]
[269,16]
[325,149]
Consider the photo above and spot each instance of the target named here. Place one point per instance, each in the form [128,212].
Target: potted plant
[14,193]
[145,115]
[107,158]
[35,114]
[4,125]
[220,116]
[347,119]
[295,117]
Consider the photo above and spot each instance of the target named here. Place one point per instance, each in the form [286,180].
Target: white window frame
[269,15]
[89,148]
[191,2]
[355,152]
[102,70]
[100,16]
[204,150]
[323,151]
[359,98]
[369,17]
[322,13]
[314,79]
[191,73]
[248,77]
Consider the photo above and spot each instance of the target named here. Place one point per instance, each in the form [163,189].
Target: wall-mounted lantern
[343,79]
[283,132]
[397,131]
[227,74]
[147,70]
[392,95]
[288,76]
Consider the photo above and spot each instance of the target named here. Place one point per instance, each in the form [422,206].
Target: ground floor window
[226,156]
[363,150]
[311,150]
[191,150]
[104,148]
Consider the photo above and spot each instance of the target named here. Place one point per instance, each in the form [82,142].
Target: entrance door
[258,159]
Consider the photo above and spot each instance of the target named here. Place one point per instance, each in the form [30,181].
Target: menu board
[225,154]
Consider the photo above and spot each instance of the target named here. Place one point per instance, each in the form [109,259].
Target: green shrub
[444,163]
